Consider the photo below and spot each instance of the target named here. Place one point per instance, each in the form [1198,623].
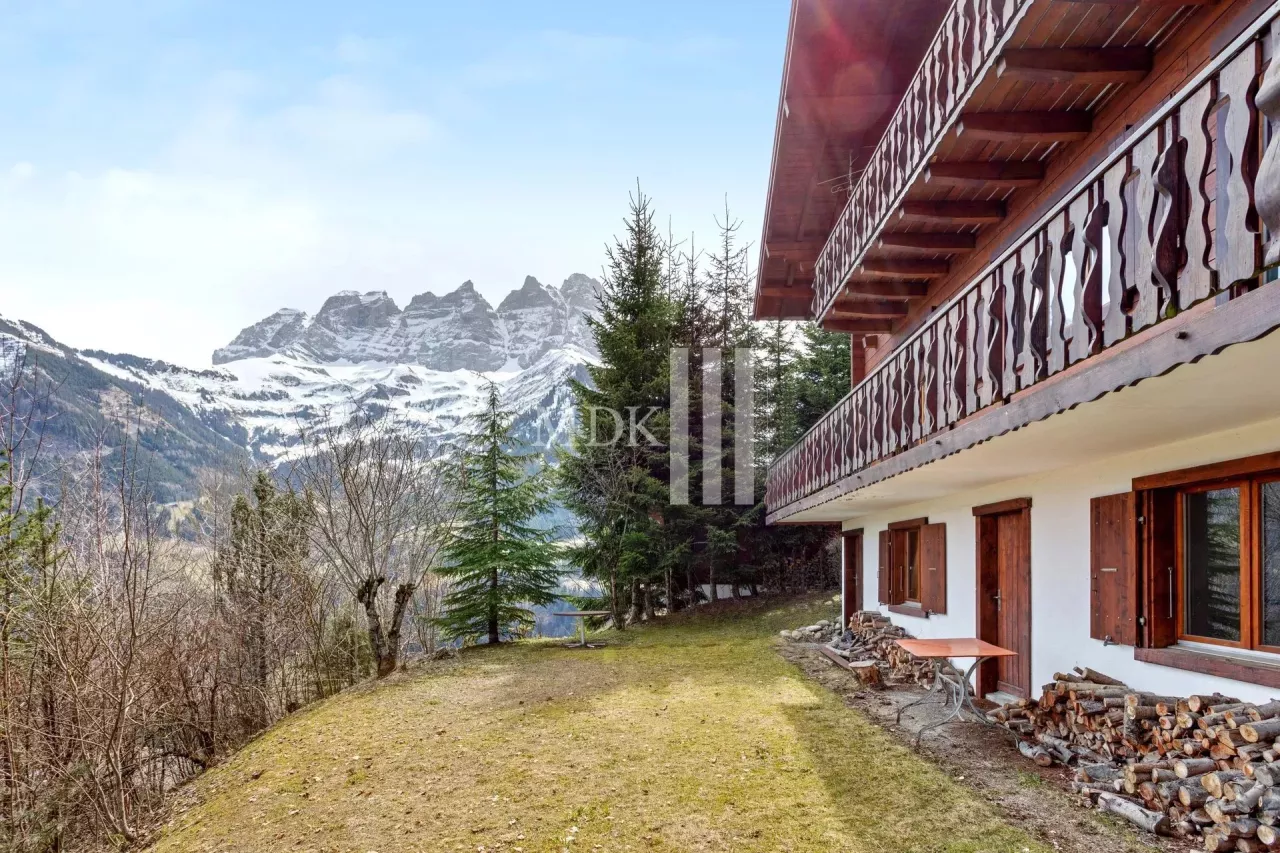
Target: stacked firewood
[1205,766]
[877,637]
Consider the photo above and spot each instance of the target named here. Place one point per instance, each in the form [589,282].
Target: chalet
[1046,226]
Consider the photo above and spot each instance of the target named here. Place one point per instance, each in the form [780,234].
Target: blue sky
[173,170]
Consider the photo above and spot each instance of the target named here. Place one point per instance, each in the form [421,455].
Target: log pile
[878,638]
[869,640]
[1196,766]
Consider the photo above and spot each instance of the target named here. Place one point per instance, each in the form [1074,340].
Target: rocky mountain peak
[460,330]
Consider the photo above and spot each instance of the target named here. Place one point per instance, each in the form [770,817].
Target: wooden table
[947,676]
[582,616]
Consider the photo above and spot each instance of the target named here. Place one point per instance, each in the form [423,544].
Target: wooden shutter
[933,567]
[1113,569]
[1159,539]
[886,553]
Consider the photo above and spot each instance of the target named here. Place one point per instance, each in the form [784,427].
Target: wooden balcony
[1176,215]
[1004,87]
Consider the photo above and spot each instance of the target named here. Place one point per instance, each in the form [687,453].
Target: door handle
[998,599]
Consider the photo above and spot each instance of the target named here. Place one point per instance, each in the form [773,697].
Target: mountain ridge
[427,364]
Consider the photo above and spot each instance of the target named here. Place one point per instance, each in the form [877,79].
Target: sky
[172,171]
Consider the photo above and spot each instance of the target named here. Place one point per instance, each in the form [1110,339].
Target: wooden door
[852,588]
[1004,598]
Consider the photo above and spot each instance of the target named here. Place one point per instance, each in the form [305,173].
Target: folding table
[947,676]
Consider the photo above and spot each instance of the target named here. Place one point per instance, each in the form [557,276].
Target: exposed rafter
[863,290]
[1076,64]
[804,249]
[927,241]
[871,308]
[954,212]
[1027,126]
[858,325]
[905,267]
[986,173]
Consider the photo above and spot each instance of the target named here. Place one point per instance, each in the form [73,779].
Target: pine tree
[499,562]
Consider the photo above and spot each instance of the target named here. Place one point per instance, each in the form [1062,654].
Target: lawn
[688,736]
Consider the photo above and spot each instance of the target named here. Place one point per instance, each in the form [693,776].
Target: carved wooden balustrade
[1176,215]
[968,41]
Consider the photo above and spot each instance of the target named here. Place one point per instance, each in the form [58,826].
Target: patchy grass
[693,735]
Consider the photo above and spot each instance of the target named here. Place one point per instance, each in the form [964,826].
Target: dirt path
[1035,798]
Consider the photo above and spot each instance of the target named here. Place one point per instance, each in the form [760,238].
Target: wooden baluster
[976,350]
[944,370]
[993,338]
[900,403]
[1078,214]
[1021,316]
[1238,241]
[937,392]
[960,361]
[1011,326]
[1167,226]
[1142,298]
[910,394]
[894,402]
[1266,188]
[966,55]
[1037,354]
[1056,336]
[1198,277]
[863,427]
[924,380]
[874,418]
[1091,297]
[1116,322]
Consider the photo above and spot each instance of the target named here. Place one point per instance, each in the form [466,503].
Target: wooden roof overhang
[1004,86]
[847,65]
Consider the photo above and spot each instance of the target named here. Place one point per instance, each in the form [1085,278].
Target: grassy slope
[689,736]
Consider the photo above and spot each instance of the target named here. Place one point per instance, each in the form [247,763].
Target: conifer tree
[822,374]
[615,477]
[499,562]
[260,568]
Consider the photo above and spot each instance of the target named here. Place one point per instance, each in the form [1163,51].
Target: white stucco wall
[1060,590]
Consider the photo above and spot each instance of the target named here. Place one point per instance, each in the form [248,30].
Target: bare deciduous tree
[379,516]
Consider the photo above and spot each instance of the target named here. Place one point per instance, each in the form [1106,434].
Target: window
[913,567]
[906,551]
[1228,575]
[1209,545]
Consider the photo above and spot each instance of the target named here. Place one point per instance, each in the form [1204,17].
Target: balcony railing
[967,43]
[1176,215]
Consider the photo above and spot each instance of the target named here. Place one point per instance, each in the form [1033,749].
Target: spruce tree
[615,476]
[822,374]
[499,562]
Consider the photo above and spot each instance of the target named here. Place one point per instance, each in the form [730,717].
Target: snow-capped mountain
[457,331]
[428,363]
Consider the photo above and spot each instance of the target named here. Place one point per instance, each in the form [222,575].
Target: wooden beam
[954,212]
[795,292]
[800,249]
[863,290]
[870,308]
[1027,126]
[858,325]
[927,241]
[980,174]
[1075,64]
[905,267]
